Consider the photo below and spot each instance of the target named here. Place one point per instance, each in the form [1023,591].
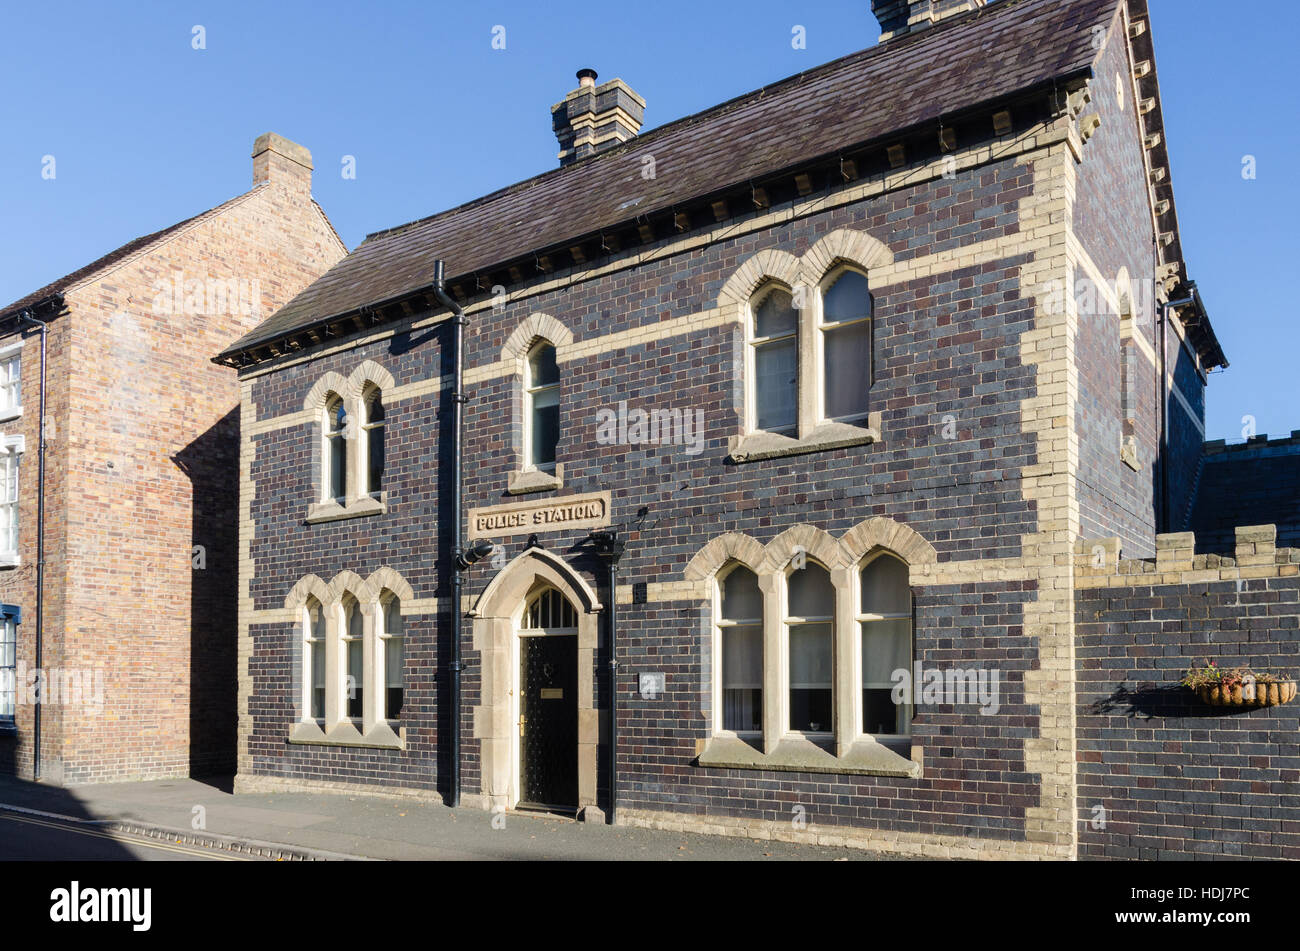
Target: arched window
[846,346]
[810,617]
[336,455]
[354,654]
[885,619]
[393,638]
[313,635]
[372,432]
[542,396]
[774,361]
[740,633]
[551,612]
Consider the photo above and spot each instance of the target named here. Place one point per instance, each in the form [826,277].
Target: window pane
[375,450]
[375,408]
[338,467]
[776,384]
[741,599]
[393,677]
[849,298]
[354,678]
[742,677]
[881,717]
[848,369]
[810,592]
[317,681]
[776,315]
[886,647]
[8,684]
[542,368]
[810,678]
[885,587]
[546,426]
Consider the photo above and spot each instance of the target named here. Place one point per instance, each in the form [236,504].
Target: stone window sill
[380,737]
[356,508]
[798,754]
[10,414]
[10,559]
[527,481]
[832,435]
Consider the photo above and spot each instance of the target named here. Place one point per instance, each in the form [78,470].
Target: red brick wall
[147,469]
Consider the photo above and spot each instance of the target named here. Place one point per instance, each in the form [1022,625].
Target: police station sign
[550,515]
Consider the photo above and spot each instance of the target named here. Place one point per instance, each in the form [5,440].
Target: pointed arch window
[550,611]
[885,624]
[372,434]
[809,623]
[313,635]
[353,657]
[542,395]
[394,641]
[335,454]
[845,332]
[740,650]
[774,361]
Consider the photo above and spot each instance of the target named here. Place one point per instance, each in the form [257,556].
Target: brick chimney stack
[594,118]
[901,17]
[276,159]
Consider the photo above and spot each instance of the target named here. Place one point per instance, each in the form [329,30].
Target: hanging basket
[1243,695]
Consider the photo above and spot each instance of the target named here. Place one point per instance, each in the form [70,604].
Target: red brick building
[134,604]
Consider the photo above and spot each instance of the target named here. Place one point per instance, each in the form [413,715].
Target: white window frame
[385,638]
[819,343]
[783,653]
[369,396]
[309,638]
[12,448]
[856,672]
[531,391]
[753,342]
[345,639]
[719,626]
[11,383]
[328,435]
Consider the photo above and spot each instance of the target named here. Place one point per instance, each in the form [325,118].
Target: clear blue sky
[146,130]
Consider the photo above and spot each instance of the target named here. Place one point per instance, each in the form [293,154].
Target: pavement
[206,817]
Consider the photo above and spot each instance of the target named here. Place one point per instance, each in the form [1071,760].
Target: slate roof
[1252,483]
[969,61]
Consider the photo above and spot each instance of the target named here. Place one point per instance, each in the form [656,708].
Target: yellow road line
[118,837]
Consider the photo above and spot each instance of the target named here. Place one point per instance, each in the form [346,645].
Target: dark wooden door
[549,721]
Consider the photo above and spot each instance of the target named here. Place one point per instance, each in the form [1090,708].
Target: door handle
[522,721]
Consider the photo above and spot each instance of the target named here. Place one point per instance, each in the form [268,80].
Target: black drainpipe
[610,547]
[457,543]
[1165,389]
[26,317]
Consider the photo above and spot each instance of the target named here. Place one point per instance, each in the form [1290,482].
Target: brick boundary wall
[1162,775]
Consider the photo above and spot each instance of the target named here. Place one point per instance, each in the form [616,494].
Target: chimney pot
[594,118]
[276,159]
